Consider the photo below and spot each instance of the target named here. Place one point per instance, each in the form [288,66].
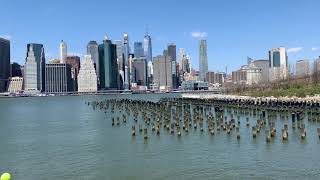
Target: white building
[15,84]
[31,72]
[247,75]
[87,77]
[302,68]
[278,60]
[63,52]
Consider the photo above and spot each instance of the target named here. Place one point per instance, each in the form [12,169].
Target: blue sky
[234,29]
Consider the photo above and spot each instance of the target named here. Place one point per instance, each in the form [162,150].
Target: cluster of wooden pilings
[178,116]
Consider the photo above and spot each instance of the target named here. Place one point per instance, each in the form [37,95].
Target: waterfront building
[302,68]
[264,66]
[138,49]
[162,72]
[87,77]
[210,77]
[172,53]
[35,68]
[203,60]
[247,75]
[140,67]
[182,60]
[58,78]
[74,62]
[54,61]
[219,77]
[108,65]
[63,51]
[278,64]
[126,52]
[92,49]
[15,84]
[4,63]
[31,71]
[147,47]
[194,85]
[119,47]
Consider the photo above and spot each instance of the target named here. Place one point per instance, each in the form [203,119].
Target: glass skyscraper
[203,60]
[108,65]
[4,63]
[92,49]
[147,47]
[138,49]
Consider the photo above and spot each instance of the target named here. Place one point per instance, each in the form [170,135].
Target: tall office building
[31,72]
[162,72]
[92,49]
[182,59]
[74,62]
[278,64]
[4,64]
[108,65]
[63,51]
[147,47]
[302,68]
[172,52]
[140,67]
[126,52]
[138,49]
[87,77]
[203,60]
[58,78]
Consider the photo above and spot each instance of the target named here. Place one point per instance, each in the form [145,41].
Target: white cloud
[315,49]
[294,50]
[6,36]
[198,34]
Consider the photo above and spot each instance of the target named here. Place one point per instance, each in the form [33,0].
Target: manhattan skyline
[233,30]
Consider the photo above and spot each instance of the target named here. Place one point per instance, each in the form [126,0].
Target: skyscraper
[172,53]
[74,62]
[147,47]
[87,77]
[140,66]
[4,63]
[31,73]
[58,78]
[63,51]
[35,54]
[108,65]
[278,63]
[126,52]
[138,49]
[203,60]
[92,49]
[182,60]
[162,72]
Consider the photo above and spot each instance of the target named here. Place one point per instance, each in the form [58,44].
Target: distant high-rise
[138,49]
[58,78]
[92,49]
[162,72]
[74,62]
[126,52]
[108,65]
[87,77]
[302,68]
[182,60]
[147,47]
[4,63]
[140,66]
[203,60]
[278,63]
[63,51]
[31,71]
[172,51]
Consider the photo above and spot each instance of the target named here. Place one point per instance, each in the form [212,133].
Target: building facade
[140,67]
[108,65]
[58,78]
[74,62]
[194,85]
[278,64]
[302,68]
[138,49]
[92,49]
[203,60]
[15,85]
[147,47]
[264,66]
[162,72]
[247,75]
[4,63]
[63,51]
[87,77]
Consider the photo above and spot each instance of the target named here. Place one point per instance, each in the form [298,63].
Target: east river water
[64,138]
